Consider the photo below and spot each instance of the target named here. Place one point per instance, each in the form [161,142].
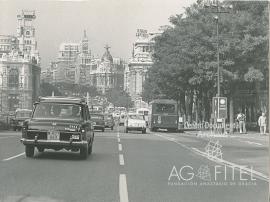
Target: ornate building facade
[19,66]
[107,72]
[141,61]
[75,65]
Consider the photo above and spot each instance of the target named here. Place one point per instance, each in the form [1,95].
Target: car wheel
[143,131]
[40,149]
[29,151]
[84,152]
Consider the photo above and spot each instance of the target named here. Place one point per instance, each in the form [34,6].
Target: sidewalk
[251,134]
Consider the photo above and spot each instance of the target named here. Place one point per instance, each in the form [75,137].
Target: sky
[112,22]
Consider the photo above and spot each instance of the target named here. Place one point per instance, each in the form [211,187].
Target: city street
[158,166]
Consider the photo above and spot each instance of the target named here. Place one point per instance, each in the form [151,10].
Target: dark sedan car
[20,116]
[109,121]
[59,123]
[99,122]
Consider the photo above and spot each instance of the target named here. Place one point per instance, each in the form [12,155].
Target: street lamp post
[217,12]
[218,67]
[217,9]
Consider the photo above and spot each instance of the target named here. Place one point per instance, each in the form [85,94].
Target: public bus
[163,115]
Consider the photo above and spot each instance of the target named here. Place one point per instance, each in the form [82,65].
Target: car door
[86,123]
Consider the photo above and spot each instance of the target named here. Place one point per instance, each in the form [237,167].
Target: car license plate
[75,137]
[53,135]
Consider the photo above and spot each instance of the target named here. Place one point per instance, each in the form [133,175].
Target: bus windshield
[165,108]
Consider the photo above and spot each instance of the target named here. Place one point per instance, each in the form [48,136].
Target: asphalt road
[158,167]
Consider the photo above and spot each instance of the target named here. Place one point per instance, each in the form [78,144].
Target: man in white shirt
[241,118]
[262,124]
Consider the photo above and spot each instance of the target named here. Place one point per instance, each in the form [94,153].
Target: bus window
[165,108]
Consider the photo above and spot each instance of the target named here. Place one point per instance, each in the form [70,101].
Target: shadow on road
[73,156]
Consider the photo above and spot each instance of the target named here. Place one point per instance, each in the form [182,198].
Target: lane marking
[121,160]
[120,147]
[220,161]
[13,157]
[252,143]
[123,192]
[250,171]
[118,139]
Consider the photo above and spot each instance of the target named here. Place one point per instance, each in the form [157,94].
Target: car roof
[60,99]
[96,114]
[163,101]
[142,109]
[23,110]
[135,114]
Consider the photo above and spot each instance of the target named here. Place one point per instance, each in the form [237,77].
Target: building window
[13,78]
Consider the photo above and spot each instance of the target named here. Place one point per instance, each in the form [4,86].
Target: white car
[135,122]
[122,119]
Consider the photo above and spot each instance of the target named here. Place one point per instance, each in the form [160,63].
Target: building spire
[107,47]
[84,34]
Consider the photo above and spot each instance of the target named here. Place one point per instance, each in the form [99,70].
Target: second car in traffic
[135,122]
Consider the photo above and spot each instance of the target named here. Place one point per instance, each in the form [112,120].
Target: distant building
[138,65]
[19,66]
[107,72]
[8,43]
[75,65]
[83,61]
[66,62]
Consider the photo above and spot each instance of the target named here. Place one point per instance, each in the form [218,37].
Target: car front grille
[40,135]
[64,136]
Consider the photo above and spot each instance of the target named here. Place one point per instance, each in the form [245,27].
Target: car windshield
[136,116]
[143,112]
[23,114]
[108,117]
[165,108]
[57,110]
[95,116]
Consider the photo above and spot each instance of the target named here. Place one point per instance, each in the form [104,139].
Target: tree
[119,98]
[46,89]
[185,55]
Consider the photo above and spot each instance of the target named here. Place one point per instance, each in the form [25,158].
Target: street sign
[219,107]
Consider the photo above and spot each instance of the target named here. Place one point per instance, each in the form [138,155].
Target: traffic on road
[49,160]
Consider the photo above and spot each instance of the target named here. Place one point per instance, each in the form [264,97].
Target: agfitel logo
[206,173]
[217,173]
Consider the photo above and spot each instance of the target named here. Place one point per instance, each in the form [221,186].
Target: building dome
[107,55]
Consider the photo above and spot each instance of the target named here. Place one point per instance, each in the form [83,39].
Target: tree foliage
[119,98]
[185,54]
[46,89]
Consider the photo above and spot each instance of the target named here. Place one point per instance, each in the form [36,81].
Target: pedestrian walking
[242,122]
[262,124]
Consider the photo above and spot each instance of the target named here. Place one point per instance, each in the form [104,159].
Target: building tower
[26,35]
[84,44]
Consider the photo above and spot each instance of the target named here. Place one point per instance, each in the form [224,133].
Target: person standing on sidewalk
[242,122]
[262,124]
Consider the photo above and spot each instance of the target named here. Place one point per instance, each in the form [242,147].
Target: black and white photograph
[134,101]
